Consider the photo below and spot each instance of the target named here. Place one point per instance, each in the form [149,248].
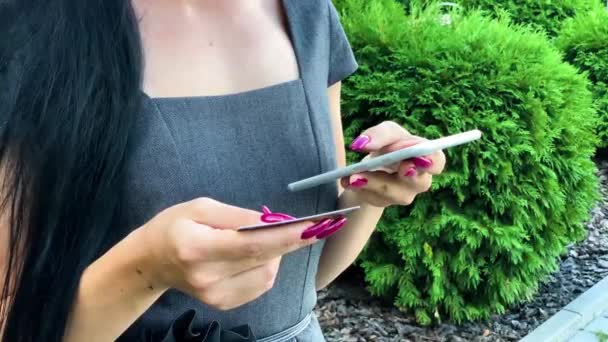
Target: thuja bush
[496,221]
[584,42]
[545,15]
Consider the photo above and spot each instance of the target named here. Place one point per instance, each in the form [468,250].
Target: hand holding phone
[419,150]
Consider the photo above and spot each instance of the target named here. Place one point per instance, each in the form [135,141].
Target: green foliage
[545,15]
[584,41]
[506,207]
[602,336]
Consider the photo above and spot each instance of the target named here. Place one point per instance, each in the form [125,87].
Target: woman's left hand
[400,183]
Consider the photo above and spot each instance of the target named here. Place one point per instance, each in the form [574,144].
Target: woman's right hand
[195,248]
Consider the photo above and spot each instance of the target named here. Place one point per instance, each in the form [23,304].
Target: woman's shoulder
[311,12]
[323,39]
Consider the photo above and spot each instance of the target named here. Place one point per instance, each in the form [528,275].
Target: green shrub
[546,15]
[498,219]
[584,41]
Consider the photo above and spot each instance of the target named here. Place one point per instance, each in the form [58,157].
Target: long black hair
[71,80]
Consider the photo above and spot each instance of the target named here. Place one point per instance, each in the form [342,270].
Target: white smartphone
[318,217]
[419,150]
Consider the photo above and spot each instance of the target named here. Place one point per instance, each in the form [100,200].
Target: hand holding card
[327,223]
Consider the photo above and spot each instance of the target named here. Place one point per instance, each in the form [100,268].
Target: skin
[193,246]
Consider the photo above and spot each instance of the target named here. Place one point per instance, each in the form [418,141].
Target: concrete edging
[574,317]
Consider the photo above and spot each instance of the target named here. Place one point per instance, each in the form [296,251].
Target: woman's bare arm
[342,248]
[114,291]
[176,250]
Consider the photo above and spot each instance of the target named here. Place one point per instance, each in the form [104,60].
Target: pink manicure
[270,217]
[316,229]
[285,216]
[359,143]
[422,163]
[411,172]
[337,225]
[276,217]
[359,182]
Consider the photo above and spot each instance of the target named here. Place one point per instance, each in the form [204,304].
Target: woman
[138,135]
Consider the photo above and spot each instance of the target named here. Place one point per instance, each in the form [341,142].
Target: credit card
[317,217]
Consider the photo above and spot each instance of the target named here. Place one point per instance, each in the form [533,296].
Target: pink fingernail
[276,217]
[316,229]
[422,163]
[359,182]
[411,172]
[337,225]
[359,143]
[266,210]
[285,216]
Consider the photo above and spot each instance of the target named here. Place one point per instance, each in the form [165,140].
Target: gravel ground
[347,313]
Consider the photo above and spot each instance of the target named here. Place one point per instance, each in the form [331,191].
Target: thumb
[217,214]
[379,137]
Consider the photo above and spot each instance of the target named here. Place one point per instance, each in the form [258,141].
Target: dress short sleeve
[342,62]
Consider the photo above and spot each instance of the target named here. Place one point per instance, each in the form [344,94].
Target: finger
[243,287]
[379,136]
[433,164]
[419,183]
[230,268]
[414,178]
[374,199]
[345,182]
[354,182]
[418,165]
[407,169]
[389,187]
[218,215]
[438,163]
[400,144]
[259,245]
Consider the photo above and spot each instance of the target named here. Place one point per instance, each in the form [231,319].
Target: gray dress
[243,149]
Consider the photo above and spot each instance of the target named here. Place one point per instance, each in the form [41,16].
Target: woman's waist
[290,301]
[189,327]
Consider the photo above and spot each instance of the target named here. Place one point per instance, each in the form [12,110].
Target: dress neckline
[287,9]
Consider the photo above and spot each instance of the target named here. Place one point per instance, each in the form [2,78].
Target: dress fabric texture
[243,149]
